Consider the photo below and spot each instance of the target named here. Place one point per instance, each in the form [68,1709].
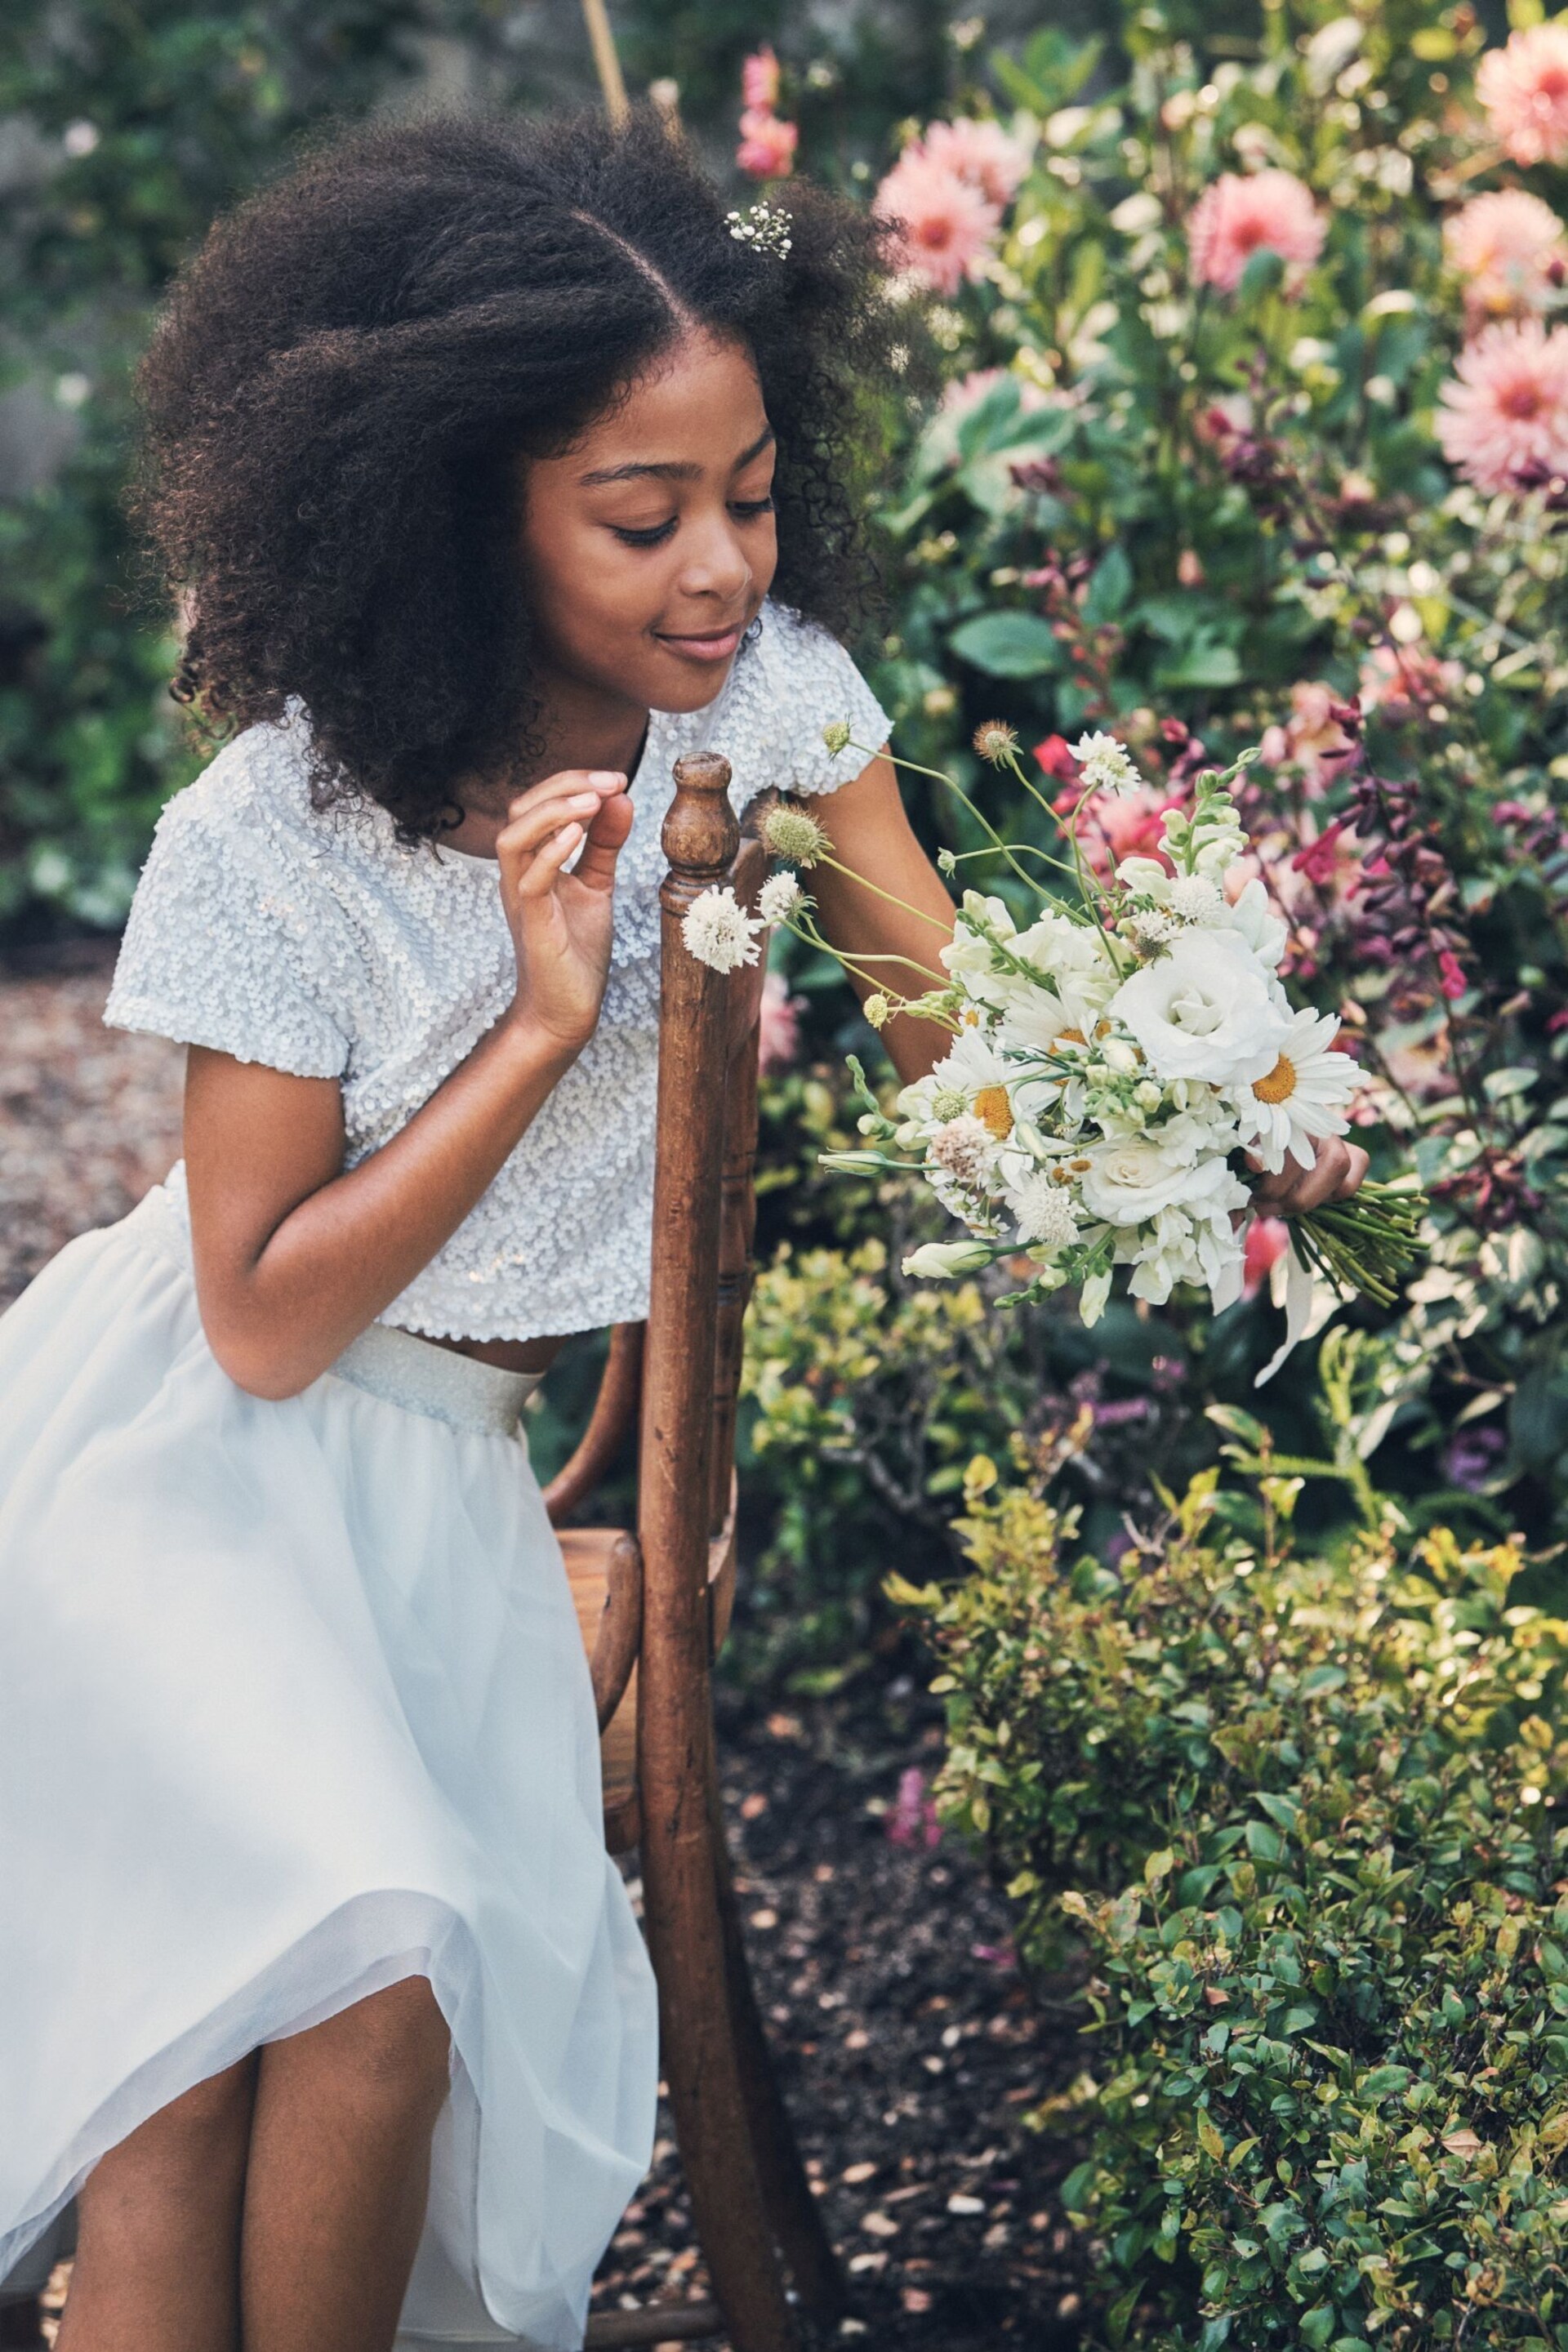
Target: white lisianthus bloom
[1131,1181]
[1251,914]
[1303,1095]
[1045,1211]
[779,896]
[718,930]
[1203,1010]
[944,1261]
[1107,765]
[1146,878]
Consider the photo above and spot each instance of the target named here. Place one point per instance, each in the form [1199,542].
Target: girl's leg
[157,2262]
[339,2172]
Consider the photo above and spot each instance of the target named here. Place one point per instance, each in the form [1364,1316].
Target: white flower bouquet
[1120,1067]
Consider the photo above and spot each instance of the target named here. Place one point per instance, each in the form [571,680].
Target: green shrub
[1305,1813]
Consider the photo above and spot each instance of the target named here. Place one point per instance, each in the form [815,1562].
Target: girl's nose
[716,563]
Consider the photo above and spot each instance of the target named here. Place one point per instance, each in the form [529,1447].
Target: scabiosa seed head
[995,742]
[877,1010]
[718,930]
[791,833]
[962,1147]
[835,735]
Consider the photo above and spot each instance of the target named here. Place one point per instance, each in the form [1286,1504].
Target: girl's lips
[708,648]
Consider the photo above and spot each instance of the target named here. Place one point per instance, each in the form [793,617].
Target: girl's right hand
[559,922]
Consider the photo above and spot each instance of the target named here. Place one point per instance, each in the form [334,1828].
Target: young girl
[495,471]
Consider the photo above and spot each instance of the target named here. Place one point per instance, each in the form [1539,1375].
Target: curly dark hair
[342,379]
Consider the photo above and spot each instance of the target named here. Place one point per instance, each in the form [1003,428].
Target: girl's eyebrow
[671,471]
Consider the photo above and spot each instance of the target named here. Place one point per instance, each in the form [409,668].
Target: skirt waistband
[398,1367]
[402,1369]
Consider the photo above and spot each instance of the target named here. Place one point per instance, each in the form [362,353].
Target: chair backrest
[704,1207]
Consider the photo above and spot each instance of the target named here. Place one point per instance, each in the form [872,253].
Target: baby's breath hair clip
[765,228]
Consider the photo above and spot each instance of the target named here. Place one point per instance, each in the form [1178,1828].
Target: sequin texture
[314,942]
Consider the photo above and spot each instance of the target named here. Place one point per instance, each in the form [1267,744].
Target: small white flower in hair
[718,930]
[765,228]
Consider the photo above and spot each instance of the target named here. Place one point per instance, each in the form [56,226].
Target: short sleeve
[814,685]
[229,944]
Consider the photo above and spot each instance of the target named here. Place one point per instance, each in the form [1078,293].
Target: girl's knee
[196,2145]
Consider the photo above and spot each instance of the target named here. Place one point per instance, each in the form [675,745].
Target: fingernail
[609,777]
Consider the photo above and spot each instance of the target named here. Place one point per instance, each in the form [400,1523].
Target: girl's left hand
[1337,1173]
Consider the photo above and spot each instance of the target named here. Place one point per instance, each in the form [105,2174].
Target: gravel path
[909,2049]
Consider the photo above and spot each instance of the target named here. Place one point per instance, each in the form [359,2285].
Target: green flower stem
[839,867]
[959,795]
[814,938]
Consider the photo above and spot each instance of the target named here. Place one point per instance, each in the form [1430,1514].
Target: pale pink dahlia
[767,145]
[1237,217]
[1524,90]
[760,81]
[1510,250]
[1504,418]
[979,151]
[945,228]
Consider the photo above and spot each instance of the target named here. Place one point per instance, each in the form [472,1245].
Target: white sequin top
[314,942]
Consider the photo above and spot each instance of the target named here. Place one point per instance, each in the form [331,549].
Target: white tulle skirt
[293,1704]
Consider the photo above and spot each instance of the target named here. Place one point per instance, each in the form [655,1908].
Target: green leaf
[1106,594]
[1007,645]
[1208,661]
[1262,273]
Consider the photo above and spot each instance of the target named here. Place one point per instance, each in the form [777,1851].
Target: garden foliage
[1305,1811]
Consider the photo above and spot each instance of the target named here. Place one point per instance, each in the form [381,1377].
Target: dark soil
[908,2048]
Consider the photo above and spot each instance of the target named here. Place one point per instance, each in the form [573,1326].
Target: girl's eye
[749,509]
[649,538]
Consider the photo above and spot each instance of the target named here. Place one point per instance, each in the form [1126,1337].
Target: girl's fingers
[607,836]
[518,840]
[542,871]
[1355,1176]
[568,783]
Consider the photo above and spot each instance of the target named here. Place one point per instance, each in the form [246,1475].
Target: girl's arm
[293,1256]
[870,831]
[866,823]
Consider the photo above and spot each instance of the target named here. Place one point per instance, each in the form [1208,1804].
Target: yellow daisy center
[1279,1085]
[995,1112]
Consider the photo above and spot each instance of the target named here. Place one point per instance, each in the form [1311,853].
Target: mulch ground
[909,2049]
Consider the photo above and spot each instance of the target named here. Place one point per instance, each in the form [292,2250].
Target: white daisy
[718,930]
[1302,1097]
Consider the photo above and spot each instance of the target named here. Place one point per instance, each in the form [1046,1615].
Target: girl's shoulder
[234,939]
[787,696]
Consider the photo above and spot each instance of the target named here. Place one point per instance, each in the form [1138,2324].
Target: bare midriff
[511,1355]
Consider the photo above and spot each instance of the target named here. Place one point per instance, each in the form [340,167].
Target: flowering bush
[1257,431]
[1304,1816]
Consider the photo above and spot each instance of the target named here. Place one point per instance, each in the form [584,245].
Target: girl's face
[649,546]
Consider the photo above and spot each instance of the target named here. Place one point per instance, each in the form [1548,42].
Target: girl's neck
[580,726]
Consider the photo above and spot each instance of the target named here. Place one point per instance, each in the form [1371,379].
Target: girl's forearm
[278,1313]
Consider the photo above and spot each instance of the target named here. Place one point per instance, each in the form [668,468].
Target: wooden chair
[655,1605]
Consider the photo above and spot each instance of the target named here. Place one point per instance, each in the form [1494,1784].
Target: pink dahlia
[1524,90]
[945,228]
[760,81]
[1504,418]
[767,145]
[1509,250]
[980,152]
[1236,217]
[778,1023]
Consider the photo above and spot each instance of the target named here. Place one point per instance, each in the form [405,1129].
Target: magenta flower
[911,1819]
[760,81]
[1264,212]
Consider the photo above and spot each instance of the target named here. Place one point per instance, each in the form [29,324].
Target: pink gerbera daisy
[1236,217]
[1509,250]
[981,152]
[1504,418]
[1524,90]
[945,228]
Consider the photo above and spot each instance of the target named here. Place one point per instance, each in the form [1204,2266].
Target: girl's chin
[690,686]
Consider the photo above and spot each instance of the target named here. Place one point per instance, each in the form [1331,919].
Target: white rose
[1203,1010]
[1131,1181]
